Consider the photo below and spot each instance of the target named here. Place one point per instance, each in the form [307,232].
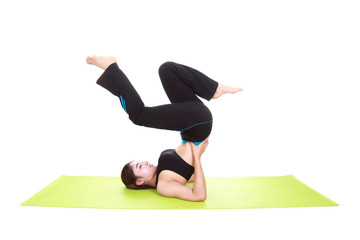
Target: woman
[186,114]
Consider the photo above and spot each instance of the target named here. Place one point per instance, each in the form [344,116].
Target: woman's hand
[199,149]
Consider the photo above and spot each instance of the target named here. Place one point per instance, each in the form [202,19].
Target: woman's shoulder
[167,151]
[167,154]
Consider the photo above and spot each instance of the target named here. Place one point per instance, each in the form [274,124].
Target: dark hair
[129,179]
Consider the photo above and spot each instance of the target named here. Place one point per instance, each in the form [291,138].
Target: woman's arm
[198,191]
[199,187]
[177,190]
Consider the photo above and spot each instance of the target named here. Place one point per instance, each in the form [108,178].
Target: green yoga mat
[222,193]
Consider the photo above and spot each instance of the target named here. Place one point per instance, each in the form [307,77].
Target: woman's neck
[152,181]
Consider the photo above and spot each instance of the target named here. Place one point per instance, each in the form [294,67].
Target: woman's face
[143,170]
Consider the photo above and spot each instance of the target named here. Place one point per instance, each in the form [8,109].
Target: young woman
[186,114]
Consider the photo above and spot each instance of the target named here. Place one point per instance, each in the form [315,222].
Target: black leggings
[186,113]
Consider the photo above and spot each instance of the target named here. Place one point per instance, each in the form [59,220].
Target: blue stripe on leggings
[194,125]
[179,130]
[123,103]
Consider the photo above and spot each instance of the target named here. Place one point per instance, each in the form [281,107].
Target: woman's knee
[134,116]
[166,66]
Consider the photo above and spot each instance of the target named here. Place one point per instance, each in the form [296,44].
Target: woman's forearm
[199,187]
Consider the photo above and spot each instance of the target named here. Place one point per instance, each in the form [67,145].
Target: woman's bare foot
[222,89]
[101,62]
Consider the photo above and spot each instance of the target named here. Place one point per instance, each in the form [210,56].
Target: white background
[298,62]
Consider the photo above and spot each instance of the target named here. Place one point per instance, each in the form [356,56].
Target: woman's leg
[187,114]
[178,116]
[182,83]
[116,82]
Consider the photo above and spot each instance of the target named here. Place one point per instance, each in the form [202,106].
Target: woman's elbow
[201,198]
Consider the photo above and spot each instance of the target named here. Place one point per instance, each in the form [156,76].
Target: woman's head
[136,175]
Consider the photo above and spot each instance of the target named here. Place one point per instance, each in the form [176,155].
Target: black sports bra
[170,160]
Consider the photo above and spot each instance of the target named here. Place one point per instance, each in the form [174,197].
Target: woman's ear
[139,181]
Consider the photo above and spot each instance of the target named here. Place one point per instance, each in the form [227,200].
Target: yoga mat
[222,193]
